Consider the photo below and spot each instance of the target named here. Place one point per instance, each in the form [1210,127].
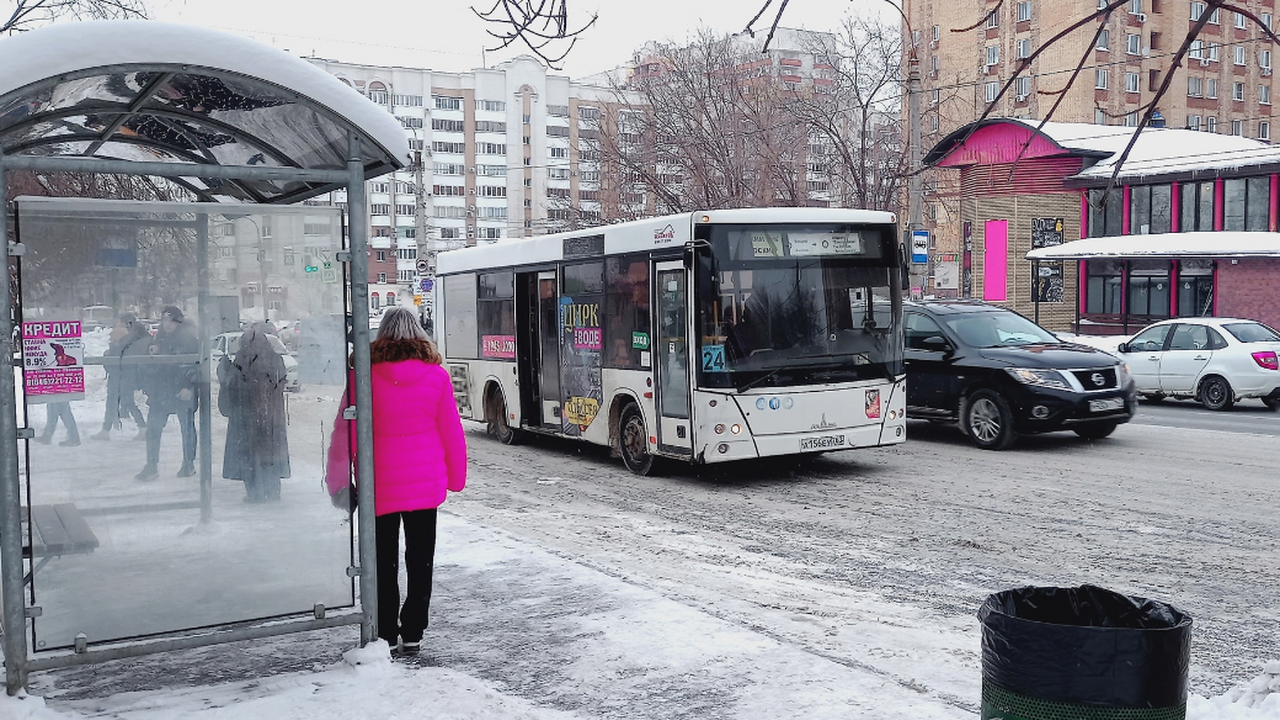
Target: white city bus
[703,337]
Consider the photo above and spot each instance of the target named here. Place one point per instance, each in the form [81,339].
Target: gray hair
[400,323]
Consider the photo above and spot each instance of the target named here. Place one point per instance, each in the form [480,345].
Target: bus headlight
[735,429]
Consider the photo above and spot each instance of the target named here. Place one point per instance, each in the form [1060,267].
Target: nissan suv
[1000,375]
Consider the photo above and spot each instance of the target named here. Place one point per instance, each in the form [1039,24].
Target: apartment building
[502,151]
[1223,87]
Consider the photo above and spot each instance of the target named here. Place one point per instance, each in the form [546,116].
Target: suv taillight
[1267,359]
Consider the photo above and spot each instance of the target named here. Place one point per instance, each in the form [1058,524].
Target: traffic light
[310,268]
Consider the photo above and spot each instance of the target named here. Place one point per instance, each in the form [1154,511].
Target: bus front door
[546,353]
[674,428]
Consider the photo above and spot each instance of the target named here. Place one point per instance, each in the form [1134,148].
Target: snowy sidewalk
[577,642]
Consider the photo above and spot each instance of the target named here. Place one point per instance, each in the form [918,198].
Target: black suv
[1001,375]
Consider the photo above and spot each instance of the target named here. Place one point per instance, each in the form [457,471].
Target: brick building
[1189,228]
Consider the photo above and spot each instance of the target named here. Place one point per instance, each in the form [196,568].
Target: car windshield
[1252,332]
[994,329]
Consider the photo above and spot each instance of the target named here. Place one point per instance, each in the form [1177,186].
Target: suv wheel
[987,421]
[1216,393]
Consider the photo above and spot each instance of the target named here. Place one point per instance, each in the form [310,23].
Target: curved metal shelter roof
[151,92]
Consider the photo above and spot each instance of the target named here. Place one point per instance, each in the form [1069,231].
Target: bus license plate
[1106,405]
[822,443]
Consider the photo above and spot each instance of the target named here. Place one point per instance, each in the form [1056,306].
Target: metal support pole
[206,372]
[15,620]
[915,214]
[357,221]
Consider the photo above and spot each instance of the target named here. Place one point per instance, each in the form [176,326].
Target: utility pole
[915,214]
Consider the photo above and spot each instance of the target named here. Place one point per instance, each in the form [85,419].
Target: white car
[229,343]
[1215,361]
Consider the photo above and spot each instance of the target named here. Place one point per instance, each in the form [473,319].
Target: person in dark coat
[171,390]
[251,397]
[129,339]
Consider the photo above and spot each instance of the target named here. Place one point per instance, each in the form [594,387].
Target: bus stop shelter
[173,162]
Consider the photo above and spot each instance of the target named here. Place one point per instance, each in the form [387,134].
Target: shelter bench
[57,530]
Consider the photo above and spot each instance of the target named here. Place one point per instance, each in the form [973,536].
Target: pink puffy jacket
[420,452]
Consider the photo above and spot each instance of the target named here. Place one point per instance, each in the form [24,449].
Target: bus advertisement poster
[580,363]
[502,347]
[53,358]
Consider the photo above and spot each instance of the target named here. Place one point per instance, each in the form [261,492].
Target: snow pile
[1259,698]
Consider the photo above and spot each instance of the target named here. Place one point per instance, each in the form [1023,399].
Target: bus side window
[627,333]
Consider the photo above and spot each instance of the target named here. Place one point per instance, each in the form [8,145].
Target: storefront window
[1105,212]
[1103,287]
[1195,288]
[1196,212]
[1149,287]
[1246,204]
[1151,208]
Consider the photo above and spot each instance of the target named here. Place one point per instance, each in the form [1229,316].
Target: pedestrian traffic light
[310,268]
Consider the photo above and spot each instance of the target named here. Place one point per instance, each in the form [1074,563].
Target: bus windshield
[798,305]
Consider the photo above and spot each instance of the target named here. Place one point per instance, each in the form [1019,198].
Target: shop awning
[1223,244]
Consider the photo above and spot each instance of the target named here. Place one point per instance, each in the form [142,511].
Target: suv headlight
[1043,378]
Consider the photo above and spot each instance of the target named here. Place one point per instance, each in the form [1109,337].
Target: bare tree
[27,14]
[540,25]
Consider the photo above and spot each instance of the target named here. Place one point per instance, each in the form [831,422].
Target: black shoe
[148,473]
[410,647]
[187,470]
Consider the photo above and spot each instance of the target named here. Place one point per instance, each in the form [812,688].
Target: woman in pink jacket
[419,456]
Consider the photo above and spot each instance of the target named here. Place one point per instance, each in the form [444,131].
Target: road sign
[426,284]
[919,246]
[329,276]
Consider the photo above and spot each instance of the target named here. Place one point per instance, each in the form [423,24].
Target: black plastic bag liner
[1086,645]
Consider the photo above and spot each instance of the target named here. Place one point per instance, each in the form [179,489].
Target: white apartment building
[503,151]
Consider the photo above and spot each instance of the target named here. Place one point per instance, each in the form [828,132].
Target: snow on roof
[1183,245]
[41,57]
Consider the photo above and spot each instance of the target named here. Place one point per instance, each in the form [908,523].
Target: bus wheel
[497,420]
[633,442]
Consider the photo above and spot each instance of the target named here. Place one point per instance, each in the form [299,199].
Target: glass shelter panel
[182,367]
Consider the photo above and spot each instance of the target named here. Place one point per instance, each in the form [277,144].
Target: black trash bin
[1083,653]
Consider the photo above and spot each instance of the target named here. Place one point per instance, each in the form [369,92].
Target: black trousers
[409,620]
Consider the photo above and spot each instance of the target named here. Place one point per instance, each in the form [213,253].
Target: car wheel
[1216,393]
[633,441]
[1095,431]
[1272,402]
[987,421]
[496,416]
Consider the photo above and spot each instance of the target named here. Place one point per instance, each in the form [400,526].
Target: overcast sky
[446,35]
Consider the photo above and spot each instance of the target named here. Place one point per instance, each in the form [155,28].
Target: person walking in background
[419,456]
[171,390]
[129,339]
[54,411]
[251,397]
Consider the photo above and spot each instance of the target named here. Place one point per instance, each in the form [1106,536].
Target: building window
[1133,44]
[498,106]
[1024,11]
[1211,124]
[382,256]
[1264,59]
[1195,288]
[382,278]
[992,90]
[993,55]
[1215,17]
[1196,50]
[1195,206]
[1104,40]
[448,103]
[1237,55]
[1193,122]
[1237,127]
[1135,7]
[1149,290]
[1100,79]
[1264,94]
[1150,209]
[1103,286]
[1022,87]
[1131,119]
[1197,9]
[1024,49]
[1240,20]
[937,33]
[1132,82]
[1237,91]
[1264,132]
[1106,212]
[1099,116]
[1211,88]
[1246,202]
[1194,86]
[993,21]
[936,95]
[1266,19]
